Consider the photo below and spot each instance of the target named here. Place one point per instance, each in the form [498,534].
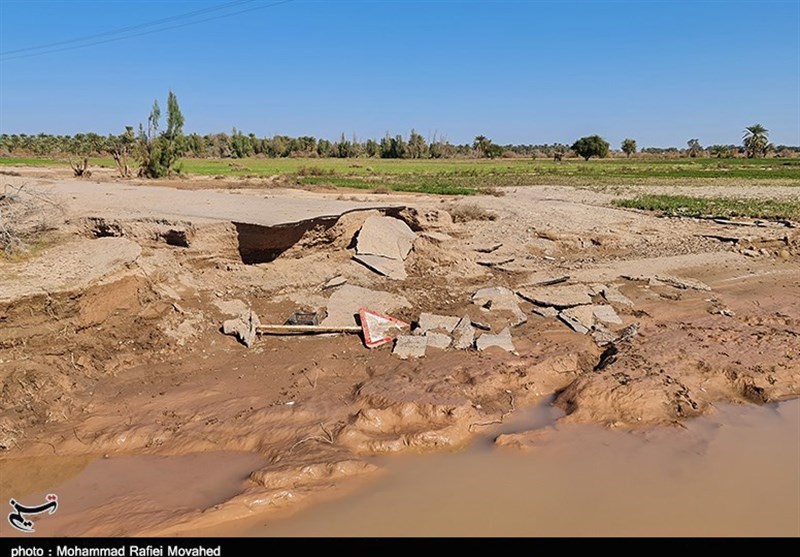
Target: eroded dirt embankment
[133,361]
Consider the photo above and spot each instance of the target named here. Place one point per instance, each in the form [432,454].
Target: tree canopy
[591,146]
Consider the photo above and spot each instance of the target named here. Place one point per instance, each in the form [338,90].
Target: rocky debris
[501,340]
[345,302]
[430,321]
[502,299]
[338,280]
[613,296]
[603,336]
[386,237]
[579,318]
[410,346]
[675,282]
[606,314]
[438,340]
[559,297]
[464,334]
[495,262]
[243,327]
[391,268]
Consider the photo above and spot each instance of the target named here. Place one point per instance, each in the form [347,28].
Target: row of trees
[157,151]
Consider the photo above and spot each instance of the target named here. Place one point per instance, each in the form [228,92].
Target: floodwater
[734,474]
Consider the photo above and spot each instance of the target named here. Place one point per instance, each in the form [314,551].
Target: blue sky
[660,72]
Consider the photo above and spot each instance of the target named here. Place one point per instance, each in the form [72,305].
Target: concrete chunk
[243,327]
[391,268]
[501,340]
[606,314]
[385,236]
[559,297]
[580,318]
[614,296]
[344,303]
[410,346]
[464,334]
[438,340]
[500,298]
[545,311]
[430,321]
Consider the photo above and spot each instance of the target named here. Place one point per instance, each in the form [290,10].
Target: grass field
[723,207]
[465,176]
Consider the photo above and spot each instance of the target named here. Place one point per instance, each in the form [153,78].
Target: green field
[465,176]
[717,207]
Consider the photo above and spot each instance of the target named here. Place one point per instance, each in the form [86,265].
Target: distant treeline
[415,146]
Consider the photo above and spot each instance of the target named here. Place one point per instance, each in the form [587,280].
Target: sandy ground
[110,343]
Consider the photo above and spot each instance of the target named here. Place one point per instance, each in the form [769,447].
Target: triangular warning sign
[376,327]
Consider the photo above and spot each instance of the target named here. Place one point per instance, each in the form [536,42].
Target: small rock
[438,340]
[501,340]
[750,252]
[785,255]
[410,346]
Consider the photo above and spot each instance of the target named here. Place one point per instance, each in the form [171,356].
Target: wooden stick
[290,329]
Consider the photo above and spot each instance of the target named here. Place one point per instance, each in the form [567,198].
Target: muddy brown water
[736,473]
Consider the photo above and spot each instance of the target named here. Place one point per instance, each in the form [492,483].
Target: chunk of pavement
[334,282]
[606,314]
[391,268]
[613,296]
[500,340]
[603,336]
[579,318]
[243,327]
[410,346]
[559,297]
[438,340]
[545,311]
[344,303]
[385,236]
[431,321]
[464,334]
[500,298]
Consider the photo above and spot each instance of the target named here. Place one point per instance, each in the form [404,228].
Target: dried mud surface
[110,341]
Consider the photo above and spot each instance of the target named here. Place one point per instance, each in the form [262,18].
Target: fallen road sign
[377,327]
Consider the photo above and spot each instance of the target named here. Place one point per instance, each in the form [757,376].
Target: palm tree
[481,144]
[755,141]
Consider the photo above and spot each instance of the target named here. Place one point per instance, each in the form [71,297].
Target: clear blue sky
[661,72]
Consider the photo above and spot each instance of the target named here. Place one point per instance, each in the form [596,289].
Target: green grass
[464,176]
[726,207]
